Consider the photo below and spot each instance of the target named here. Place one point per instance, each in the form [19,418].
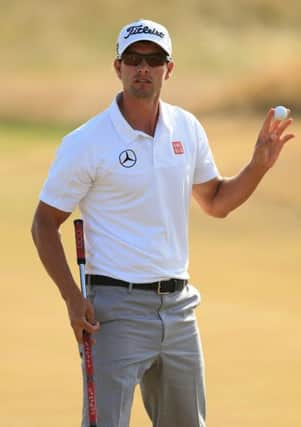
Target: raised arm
[220,196]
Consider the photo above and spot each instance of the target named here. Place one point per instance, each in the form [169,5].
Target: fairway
[247,268]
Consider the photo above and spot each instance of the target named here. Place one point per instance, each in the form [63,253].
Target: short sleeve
[205,167]
[70,176]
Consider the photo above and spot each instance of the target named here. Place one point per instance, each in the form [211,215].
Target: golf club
[87,345]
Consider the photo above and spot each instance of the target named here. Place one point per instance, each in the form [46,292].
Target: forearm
[45,233]
[51,252]
[233,192]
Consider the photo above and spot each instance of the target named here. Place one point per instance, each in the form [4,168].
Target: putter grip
[79,240]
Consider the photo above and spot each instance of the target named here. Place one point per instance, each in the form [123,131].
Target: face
[143,80]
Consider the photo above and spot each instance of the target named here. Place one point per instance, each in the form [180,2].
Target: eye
[156,59]
[132,59]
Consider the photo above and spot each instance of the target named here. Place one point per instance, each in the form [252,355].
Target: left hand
[271,140]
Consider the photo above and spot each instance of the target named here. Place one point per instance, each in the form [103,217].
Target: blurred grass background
[234,60]
[241,55]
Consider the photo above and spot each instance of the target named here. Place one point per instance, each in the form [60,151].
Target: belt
[161,287]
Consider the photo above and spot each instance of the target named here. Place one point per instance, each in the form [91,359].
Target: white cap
[143,30]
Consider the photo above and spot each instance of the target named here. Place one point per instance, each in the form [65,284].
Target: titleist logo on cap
[140,29]
[143,30]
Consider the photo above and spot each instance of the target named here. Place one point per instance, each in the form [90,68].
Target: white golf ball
[280,112]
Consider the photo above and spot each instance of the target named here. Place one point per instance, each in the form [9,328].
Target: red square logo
[178,147]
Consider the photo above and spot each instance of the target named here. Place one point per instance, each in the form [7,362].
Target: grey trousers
[151,340]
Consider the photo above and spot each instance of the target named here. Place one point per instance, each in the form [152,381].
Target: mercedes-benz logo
[128,158]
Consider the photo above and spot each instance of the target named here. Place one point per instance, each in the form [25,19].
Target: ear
[170,68]
[117,67]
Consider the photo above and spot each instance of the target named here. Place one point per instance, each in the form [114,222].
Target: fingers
[91,325]
[82,318]
[272,129]
[270,124]
[278,132]
[287,137]
[90,313]
[282,125]
[278,129]
[271,139]
[91,328]
[83,325]
[267,122]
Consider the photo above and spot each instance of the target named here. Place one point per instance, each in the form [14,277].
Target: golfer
[131,170]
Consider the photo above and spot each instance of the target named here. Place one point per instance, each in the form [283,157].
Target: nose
[143,66]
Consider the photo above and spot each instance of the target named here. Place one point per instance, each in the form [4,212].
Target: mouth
[142,80]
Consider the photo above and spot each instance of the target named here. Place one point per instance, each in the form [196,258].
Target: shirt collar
[125,130]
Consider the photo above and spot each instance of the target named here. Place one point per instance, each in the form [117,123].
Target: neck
[141,114]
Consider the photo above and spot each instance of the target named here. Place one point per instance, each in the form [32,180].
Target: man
[131,170]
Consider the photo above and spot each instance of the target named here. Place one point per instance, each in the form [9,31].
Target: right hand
[82,316]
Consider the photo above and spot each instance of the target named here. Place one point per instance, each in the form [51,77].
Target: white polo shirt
[133,191]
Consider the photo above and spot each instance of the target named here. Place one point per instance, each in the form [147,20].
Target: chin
[142,93]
